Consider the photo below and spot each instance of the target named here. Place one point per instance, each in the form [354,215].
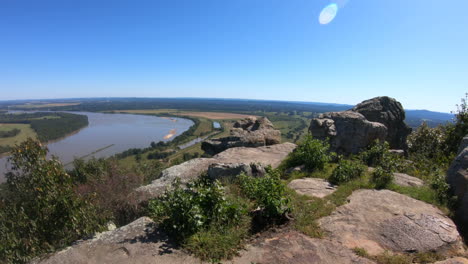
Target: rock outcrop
[249,132]
[228,170]
[457,177]
[386,220]
[294,247]
[349,132]
[390,112]
[352,131]
[138,242]
[312,187]
[189,170]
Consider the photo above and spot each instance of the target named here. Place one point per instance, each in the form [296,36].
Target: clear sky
[413,50]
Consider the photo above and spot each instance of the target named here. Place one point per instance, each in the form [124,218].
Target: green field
[26,132]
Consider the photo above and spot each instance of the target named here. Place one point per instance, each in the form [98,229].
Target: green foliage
[84,171]
[381,178]
[456,132]
[218,242]
[268,192]
[428,143]
[59,125]
[183,211]
[442,189]
[312,153]
[346,171]
[10,133]
[378,155]
[43,212]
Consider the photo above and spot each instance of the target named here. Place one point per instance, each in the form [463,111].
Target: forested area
[47,125]
[10,133]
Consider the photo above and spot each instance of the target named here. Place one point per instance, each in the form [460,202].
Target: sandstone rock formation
[138,242]
[353,130]
[387,111]
[456,260]
[227,170]
[349,132]
[295,248]
[457,177]
[312,187]
[385,220]
[189,170]
[249,132]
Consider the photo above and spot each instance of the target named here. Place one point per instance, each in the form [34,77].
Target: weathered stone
[349,132]
[407,180]
[229,170]
[390,112]
[312,187]
[295,169]
[456,260]
[249,132]
[137,242]
[269,155]
[457,177]
[386,220]
[295,248]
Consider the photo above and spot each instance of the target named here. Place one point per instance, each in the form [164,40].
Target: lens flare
[328,14]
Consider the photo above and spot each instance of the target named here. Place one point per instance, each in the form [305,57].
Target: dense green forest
[47,125]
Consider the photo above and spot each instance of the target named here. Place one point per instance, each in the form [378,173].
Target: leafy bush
[428,143]
[442,189]
[268,192]
[456,132]
[381,178]
[378,155]
[346,171]
[183,211]
[43,213]
[312,153]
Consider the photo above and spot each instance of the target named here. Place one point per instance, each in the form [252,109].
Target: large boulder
[312,187]
[384,220]
[241,157]
[137,242]
[348,131]
[390,112]
[457,177]
[295,248]
[249,132]
[229,170]
[351,131]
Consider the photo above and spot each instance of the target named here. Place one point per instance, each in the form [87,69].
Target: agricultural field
[26,131]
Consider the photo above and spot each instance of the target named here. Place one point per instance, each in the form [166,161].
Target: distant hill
[414,118]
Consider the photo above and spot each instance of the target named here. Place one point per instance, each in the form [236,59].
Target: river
[108,134]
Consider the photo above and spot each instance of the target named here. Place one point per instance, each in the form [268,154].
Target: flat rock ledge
[268,155]
[138,242]
[312,187]
[456,260]
[385,220]
[295,248]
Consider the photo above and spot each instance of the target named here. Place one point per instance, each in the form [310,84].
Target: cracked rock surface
[313,187]
[386,220]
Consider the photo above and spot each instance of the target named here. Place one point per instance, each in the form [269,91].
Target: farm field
[26,131]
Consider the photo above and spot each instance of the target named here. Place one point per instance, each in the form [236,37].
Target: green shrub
[268,192]
[375,154]
[183,211]
[429,144]
[346,171]
[43,212]
[442,190]
[381,178]
[312,153]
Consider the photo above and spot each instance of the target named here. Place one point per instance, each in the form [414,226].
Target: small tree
[312,153]
[43,212]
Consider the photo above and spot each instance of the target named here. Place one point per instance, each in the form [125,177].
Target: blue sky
[413,50]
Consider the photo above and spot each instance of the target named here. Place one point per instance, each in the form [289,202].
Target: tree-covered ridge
[47,125]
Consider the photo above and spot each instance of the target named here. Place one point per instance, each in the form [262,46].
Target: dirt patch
[214,115]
